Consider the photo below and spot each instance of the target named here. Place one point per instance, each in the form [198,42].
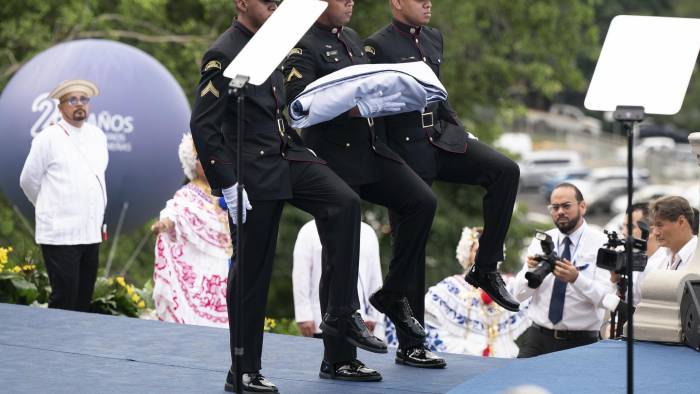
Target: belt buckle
[556,335]
[280,126]
[423,117]
[370,122]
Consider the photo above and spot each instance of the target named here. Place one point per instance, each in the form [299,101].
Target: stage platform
[44,350]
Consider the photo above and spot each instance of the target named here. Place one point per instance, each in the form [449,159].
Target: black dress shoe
[493,285]
[353,329]
[252,382]
[353,371]
[419,357]
[399,312]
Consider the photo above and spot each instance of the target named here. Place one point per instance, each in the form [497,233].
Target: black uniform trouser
[412,206]
[536,343]
[72,270]
[483,166]
[336,208]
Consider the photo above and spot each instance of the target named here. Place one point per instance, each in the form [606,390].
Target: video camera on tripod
[611,258]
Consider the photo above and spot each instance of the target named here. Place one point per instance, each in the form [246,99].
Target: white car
[650,192]
[539,166]
[563,117]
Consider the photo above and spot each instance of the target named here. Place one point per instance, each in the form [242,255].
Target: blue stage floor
[59,351]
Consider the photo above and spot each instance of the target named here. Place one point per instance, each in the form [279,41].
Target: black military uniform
[353,150]
[277,169]
[437,147]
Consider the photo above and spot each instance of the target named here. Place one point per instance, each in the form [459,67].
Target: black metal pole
[629,128]
[238,89]
[628,116]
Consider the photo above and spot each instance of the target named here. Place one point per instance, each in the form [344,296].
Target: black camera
[612,258]
[545,261]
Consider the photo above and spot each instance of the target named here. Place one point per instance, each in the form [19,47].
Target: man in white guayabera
[64,178]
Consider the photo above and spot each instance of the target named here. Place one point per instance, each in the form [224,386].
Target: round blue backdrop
[141,108]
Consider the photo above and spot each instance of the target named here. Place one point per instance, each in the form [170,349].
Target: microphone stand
[237,88]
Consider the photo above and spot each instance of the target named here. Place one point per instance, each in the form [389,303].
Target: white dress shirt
[338,92]
[583,305]
[64,178]
[306,274]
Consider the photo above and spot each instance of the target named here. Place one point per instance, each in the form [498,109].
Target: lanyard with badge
[105,235]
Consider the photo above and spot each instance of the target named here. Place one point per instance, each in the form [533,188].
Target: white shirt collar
[684,254]
[69,127]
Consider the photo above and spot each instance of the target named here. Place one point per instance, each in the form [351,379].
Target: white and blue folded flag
[376,89]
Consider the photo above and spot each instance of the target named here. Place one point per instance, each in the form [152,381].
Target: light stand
[237,88]
[628,117]
[646,62]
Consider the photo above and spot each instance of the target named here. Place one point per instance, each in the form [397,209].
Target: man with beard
[64,178]
[438,148]
[567,308]
[278,169]
[353,150]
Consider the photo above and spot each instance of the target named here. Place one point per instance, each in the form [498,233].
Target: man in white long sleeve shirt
[672,219]
[64,178]
[567,308]
[306,275]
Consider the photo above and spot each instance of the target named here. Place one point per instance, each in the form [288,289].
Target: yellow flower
[110,281]
[16,269]
[141,304]
[9,249]
[129,290]
[135,298]
[120,280]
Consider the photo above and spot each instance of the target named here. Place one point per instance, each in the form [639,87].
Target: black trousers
[535,343]
[483,166]
[72,271]
[336,208]
[412,206]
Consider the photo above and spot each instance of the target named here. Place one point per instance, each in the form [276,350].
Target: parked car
[650,192]
[519,143]
[539,166]
[562,176]
[563,117]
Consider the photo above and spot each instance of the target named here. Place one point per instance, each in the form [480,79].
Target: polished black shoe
[399,312]
[353,329]
[419,357]
[252,382]
[353,371]
[493,285]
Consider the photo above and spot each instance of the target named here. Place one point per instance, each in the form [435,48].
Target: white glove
[376,103]
[231,197]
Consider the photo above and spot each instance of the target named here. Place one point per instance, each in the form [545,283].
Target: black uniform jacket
[440,125]
[267,143]
[349,144]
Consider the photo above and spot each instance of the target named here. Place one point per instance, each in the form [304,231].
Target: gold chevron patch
[209,89]
[369,49]
[294,73]
[212,64]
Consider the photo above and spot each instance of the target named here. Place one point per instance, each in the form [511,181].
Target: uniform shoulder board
[212,64]
[369,50]
[295,51]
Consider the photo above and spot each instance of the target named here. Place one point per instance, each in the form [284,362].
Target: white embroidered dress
[191,263]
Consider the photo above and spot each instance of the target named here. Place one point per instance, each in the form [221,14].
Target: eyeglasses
[73,101]
[555,207]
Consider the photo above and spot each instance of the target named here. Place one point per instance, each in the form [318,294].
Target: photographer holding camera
[566,307]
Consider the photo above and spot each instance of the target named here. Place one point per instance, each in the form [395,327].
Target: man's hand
[231,197]
[614,277]
[565,271]
[163,226]
[531,262]
[307,328]
[370,325]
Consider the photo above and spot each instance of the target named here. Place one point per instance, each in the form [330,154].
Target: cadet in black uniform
[277,169]
[352,149]
[437,147]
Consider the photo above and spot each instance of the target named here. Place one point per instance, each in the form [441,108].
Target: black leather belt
[566,335]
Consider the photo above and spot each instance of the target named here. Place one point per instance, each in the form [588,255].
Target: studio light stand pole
[628,117]
[237,88]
